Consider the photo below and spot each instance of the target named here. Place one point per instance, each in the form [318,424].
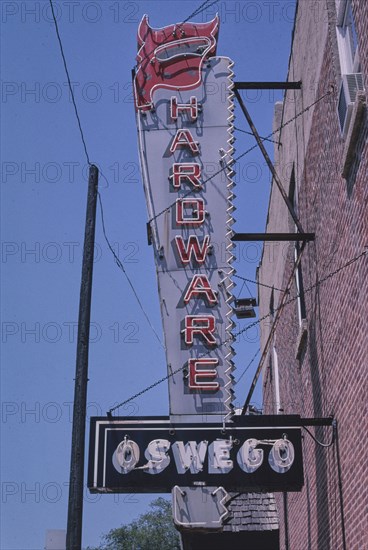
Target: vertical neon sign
[184,105]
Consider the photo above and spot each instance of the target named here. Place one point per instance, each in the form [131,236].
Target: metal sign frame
[157,455]
[184,111]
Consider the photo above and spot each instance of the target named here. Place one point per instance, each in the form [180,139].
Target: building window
[351,77]
[347,38]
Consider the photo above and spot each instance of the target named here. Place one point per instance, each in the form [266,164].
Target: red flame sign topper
[171,57]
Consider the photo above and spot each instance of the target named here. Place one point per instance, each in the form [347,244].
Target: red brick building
[317,361]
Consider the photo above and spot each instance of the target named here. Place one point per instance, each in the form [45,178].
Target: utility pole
[75,504]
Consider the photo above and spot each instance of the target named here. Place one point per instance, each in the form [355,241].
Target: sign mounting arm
[268,161]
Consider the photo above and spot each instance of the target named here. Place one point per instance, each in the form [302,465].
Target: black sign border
[263,480]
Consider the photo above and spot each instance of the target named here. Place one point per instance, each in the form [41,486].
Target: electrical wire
[278,311]
[249,292]
[251,134]
[320,442]
[121,266]
[287,302]
[199,10]
[69,82]
[241,288]
[258,283]
[117,259]
[249,365]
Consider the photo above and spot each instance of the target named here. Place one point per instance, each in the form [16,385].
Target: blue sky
[44,183]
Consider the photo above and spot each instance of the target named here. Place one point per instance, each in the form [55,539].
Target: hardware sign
[184,108]
[260,453]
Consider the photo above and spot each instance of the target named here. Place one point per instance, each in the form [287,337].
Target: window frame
[346,31]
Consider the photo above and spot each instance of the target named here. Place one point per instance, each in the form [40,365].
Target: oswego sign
[184,110]
[149,454]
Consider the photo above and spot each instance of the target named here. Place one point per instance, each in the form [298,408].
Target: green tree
[153,530]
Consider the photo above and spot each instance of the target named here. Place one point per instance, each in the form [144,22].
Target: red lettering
[192,107]
[192,247]
[198,212]
[199,286]
[200,325]
[186,171]
[183,138]
[201,379]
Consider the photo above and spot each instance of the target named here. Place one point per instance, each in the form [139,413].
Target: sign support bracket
[268,161]
[303,237]
[269,85]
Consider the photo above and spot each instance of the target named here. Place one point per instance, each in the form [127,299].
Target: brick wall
[330,377]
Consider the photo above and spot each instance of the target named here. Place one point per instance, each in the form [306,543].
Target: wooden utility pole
[76,486]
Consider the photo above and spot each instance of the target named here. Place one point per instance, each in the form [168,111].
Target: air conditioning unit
[350,85]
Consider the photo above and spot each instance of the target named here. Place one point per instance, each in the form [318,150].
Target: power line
[199,10]
[69,82]
[284,302]
[172,373]
[258,283]
[249,365]
[117,259]
[121,266]
[251,134]
[287,302]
